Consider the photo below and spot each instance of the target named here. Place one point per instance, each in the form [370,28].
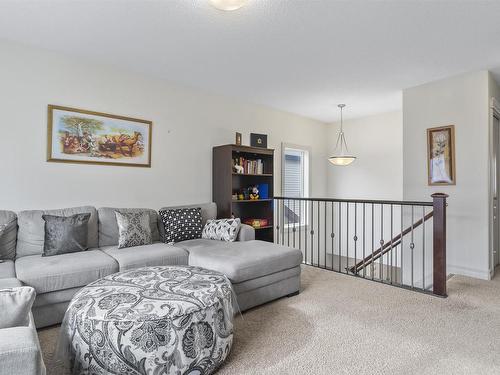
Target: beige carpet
[344,325]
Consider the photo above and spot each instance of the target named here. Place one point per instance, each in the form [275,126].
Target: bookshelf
[226,182]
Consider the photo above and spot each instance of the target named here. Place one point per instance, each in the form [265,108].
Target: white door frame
[494,112]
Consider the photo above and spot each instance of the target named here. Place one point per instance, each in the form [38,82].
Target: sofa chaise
[259,271]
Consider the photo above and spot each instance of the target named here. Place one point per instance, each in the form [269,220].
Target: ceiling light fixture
[228,4]
[341,159]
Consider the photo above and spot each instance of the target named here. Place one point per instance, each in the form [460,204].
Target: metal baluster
[412,245]
[401,248]
[318,226]
[312,232]
[340,236]
[355,237]
[306,228]
[364,241]
[381,262]
[283,222]
[392,236]
[423,247]
[347,240]
[373,244]
[332,235]
[277,216]
[300,224]
[288,222]
[324,207]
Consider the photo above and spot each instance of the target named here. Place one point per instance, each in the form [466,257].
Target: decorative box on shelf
[257,223]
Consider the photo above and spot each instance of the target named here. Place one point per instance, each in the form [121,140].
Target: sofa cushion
[8,237]
[208,211]
[241,261]
[15,305]
[156,254]
[20,352]
[7,269]
[31,232]
[108,226]
[47,274]
[10,282]
[52,298]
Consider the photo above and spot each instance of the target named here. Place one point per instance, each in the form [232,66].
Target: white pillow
[15,305]
[222,229]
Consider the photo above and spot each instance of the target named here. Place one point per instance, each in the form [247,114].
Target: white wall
[187,123]
[462,101]
[377,142]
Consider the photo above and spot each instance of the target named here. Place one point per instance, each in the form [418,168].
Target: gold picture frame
[441,165]
[88,137]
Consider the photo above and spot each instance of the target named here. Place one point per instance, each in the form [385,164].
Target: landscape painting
[441,155]
[80,136]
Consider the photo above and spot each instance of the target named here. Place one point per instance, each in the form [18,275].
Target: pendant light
[341,158]
[228,4]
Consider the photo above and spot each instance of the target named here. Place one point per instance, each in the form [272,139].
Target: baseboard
[471,272]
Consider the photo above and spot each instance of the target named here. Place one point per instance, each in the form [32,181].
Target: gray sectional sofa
[259,271]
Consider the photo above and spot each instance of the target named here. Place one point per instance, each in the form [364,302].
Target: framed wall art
[81,136]
[441,155]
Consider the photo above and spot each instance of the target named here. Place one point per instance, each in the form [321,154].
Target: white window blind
[295,183]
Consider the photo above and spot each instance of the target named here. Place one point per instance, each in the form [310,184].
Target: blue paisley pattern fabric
[151,320]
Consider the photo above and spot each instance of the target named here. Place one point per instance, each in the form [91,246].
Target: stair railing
[349,236]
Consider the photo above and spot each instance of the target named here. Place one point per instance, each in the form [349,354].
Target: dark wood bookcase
[226,182]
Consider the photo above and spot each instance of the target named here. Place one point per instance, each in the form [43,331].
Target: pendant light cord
[341,137]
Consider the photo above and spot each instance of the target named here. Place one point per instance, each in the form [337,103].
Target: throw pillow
[65,234]
[133,229]
[15,305]
[181,224]
[222,230]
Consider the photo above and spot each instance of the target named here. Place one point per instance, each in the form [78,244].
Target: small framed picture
[441,155]
[258,140]
[238,139]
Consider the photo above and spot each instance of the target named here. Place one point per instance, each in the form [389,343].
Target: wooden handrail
[388,246]
[359,201]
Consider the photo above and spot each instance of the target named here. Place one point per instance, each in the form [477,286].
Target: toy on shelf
[254,193]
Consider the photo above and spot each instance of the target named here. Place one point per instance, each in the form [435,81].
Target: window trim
[307,174]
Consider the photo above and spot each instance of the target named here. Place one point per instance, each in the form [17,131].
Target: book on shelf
[250,166]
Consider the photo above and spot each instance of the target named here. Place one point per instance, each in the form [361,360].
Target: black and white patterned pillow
[181,224]
[222,229]
[133,229]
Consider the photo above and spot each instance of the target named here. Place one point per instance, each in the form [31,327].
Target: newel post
[439,245]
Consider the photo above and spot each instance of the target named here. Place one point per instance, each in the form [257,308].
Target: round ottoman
[151,320]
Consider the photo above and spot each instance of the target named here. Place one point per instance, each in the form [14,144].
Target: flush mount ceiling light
[228,4]
[341,157]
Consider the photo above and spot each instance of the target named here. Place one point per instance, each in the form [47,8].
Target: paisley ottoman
[151,320]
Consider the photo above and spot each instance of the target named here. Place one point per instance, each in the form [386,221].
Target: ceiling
[301,56]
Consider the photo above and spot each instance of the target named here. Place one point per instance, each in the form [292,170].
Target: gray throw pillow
[133,229]
[15,305]
[65,234]
[221,230]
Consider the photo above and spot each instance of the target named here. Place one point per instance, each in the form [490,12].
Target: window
[295,182]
